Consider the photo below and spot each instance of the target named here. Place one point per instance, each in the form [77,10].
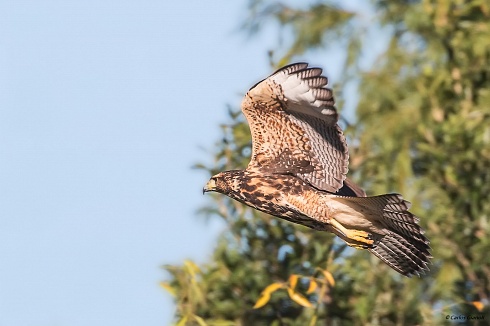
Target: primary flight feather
[298,172]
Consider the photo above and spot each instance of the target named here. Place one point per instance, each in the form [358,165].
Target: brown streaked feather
[294,128]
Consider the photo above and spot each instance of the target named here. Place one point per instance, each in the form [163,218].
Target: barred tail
[403,246]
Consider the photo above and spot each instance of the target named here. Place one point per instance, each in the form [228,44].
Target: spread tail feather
[402,244]
[402,254]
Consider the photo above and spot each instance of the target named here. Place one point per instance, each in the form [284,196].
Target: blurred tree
[422,129]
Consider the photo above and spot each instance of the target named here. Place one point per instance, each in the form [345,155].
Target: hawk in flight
[298,169]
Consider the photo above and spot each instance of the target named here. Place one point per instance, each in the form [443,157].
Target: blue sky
[104,108]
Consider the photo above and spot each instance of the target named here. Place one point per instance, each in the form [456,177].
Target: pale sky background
[104,106]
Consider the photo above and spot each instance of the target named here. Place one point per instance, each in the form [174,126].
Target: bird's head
[223,182]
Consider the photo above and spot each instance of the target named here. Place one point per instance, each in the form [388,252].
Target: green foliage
[422,129]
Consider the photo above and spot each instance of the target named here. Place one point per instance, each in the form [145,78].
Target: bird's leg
[363,238]
[349,242]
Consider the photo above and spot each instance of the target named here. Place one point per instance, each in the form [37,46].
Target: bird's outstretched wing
[294,128]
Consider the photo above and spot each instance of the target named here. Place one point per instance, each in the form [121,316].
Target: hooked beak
[210,186]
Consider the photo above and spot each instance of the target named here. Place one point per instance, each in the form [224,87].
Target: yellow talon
[360,236]
[356,235]
[357,246]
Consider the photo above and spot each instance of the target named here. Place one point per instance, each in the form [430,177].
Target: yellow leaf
[298,298]
[478,305]
[273,287]
[266,294]
[312,287]
[328,277]
[264,298]
[293,280]
[200,321]
[168,288]
[182,321]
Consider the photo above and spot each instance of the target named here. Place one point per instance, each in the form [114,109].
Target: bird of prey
[298,169]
